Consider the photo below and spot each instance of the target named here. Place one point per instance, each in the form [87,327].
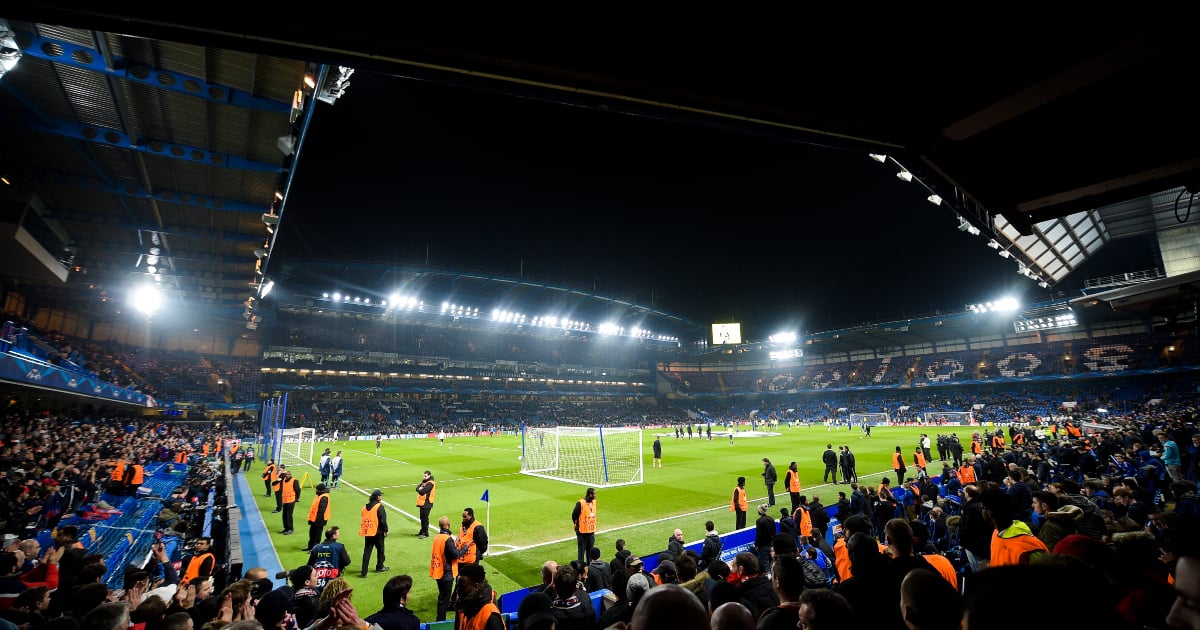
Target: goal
[598,457]
[296,446]
[873,419]
[949,417]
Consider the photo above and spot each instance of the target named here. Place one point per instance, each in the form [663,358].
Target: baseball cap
[665,565]
[536,611]
[633,561]
[637,586]
[377,492]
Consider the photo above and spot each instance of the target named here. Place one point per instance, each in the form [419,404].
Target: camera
[282,575]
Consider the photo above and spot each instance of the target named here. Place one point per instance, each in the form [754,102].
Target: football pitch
[528,519]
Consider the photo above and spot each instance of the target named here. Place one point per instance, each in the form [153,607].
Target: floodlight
[266,288]
[878,157]
[1004,253]
[260,253]
[10,50]
[935,199]
[994,244]
[1044,284]
[904,175]
[146,300]
[270,218]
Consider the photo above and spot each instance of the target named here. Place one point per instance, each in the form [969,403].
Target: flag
[484,498]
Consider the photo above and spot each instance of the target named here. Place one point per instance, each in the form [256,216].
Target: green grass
[529,520]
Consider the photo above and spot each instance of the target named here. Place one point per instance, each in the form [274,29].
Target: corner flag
[484,498]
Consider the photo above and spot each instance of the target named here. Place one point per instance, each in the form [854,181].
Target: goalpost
[856,419]
[296,446]
[598,457]
[953,417]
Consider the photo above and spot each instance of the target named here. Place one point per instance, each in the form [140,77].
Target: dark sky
[714,225]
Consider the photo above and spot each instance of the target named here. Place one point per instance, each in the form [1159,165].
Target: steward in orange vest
[738,504]
[443,566]
[791,481]
[472,538]
[135,476]
[318,516]
[269,476]
[118,473]
[373,527]
[201,564]
[289,494]
[476,602]
[584,517]
[1012,541]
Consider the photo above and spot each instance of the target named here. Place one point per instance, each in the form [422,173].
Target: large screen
[726,334]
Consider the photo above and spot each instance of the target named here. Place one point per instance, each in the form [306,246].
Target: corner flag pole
[488,522]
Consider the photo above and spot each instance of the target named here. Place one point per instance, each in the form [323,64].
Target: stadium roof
[138,132]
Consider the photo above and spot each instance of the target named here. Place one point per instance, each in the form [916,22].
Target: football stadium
[252,381]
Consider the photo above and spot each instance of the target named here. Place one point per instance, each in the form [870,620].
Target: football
[519,458]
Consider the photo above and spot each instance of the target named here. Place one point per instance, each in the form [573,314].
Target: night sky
[713,225]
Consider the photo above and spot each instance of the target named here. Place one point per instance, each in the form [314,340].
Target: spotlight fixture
[904,175]
[1044,284]
[1004,253]
[878,157]
[260,253]
[935,199]
[266,289]
[994,244]
[10,50]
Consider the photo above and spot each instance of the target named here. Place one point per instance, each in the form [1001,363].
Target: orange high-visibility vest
[1018,439]
[204,449]
[480,620]
[920,458]
[805,521]
[1008,551]
[739,501]
[587,516]
[289,491]
[427,499]
[466,539]
[793,481]
[269,473]
[898,462]
[370,521]
[181,457]
[437,561]
[312,509]
[118,473]
[966,474]
[193,569]
[138,475]
[976,447]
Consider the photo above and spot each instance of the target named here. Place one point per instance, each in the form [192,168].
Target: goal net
[598,457]
[874,419]
[296,446]
[950,417]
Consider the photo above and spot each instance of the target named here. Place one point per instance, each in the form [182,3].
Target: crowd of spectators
[1056,512]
